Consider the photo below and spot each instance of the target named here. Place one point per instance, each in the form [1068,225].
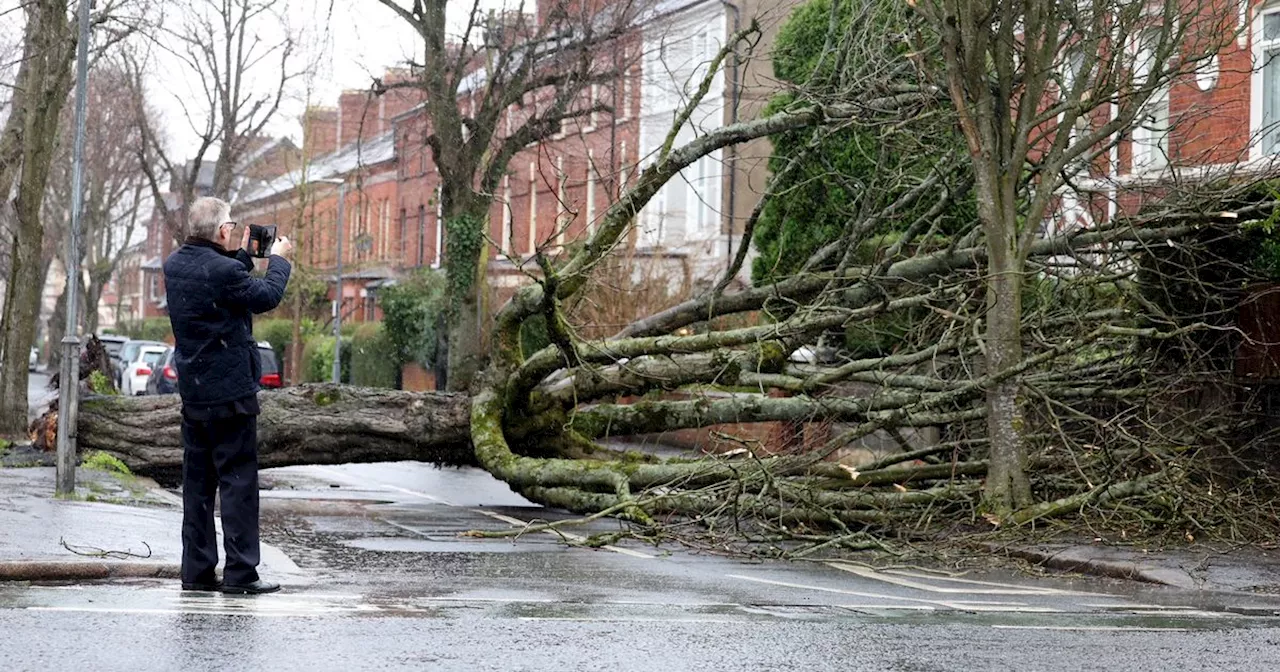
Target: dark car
[270,367]
[164,378]
[114,344]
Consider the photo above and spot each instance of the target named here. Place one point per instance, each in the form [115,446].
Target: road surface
[384,581]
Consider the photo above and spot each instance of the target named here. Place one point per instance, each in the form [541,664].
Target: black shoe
[205,587]
[256,588]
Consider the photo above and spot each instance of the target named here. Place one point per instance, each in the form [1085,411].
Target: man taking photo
[212,298]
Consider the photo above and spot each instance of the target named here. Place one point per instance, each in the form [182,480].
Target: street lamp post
[337,311]
[69,373]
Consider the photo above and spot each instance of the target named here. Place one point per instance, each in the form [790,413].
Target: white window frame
[532,244]
[439,228]
[627,93]
[508,223]
[592,118]
[1257,96]
[562,202]
[591,192]
[1152,141]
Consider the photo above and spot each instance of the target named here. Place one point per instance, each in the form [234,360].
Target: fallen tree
[1106,393]
[309,424]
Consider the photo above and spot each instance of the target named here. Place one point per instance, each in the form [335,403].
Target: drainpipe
[734,96]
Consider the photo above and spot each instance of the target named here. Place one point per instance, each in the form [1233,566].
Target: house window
[1267,69]
[626,96]
[591,191]
[505,245]
[154,286]
[439,228]
[562,203]
[622,160]
[531,247]
[592,118]
[422,233]
[1151,134]
[404,235]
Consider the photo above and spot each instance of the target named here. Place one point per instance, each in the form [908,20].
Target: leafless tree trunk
[26,150]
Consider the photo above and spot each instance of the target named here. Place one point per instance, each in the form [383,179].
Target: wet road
[383,581]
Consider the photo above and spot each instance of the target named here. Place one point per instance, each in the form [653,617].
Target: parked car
[138,368]
[270,367]
[113,344]
[128,354]
[33,360]
[163,378]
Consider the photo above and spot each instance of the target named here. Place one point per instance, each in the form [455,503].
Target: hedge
[278,333]
[317,360]
[150,329]
[373,357]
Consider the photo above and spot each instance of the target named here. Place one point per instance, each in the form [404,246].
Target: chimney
[396,101]
[354,105]
[320,131]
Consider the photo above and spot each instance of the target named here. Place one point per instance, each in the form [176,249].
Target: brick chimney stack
[320,131]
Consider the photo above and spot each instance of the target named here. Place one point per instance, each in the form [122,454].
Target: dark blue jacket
[212,299]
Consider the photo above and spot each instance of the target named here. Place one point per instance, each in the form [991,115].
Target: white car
[33,360]
[133,379]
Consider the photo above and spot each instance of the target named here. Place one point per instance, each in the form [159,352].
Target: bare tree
[243,77]
[1005,62]
[115,191]
[27,146]
[472,81]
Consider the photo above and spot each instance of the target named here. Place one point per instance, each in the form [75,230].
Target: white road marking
[855,593]
[608,619]
[881,607]
[958,606]
[1091,628]
[1006,608]
[973,582]
[869,573]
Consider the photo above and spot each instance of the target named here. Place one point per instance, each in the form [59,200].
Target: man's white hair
[206,215]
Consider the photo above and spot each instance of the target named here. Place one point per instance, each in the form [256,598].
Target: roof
[152,264]
[337,164]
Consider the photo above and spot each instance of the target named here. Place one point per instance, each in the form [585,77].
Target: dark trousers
[220,455]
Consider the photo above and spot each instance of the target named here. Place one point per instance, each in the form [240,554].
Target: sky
[360,40]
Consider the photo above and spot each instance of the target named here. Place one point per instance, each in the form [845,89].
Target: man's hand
[244,240]
[283,247]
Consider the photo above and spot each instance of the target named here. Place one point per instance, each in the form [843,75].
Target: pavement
[377,576]
[116,526]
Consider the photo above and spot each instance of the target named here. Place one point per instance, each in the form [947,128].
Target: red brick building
[555,191]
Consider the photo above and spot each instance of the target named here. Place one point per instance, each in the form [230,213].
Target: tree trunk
[21,308]
[92,297]
[41,90]
[1007,487]
[465,264]
[295,339]
[307,424]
